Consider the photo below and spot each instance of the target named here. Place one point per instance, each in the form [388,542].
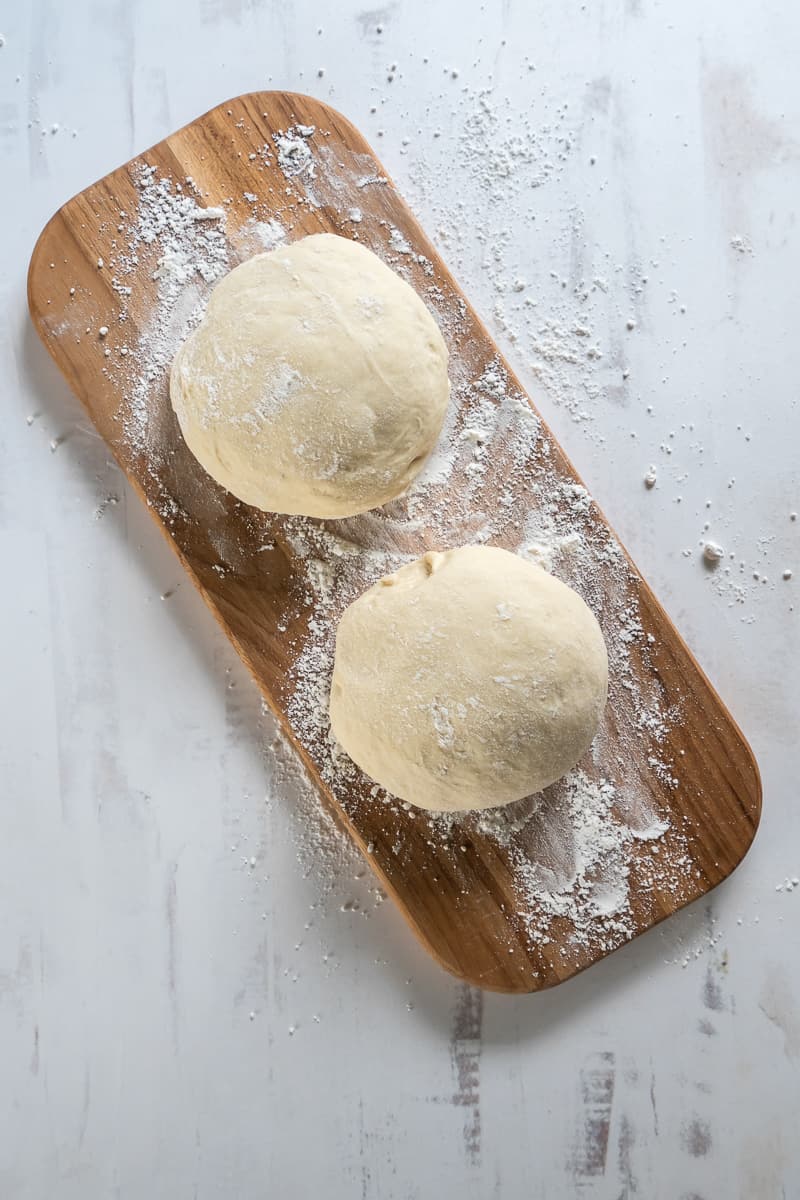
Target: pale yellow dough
[316,382]
[468,679]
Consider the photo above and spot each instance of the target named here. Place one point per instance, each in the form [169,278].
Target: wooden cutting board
[494,904]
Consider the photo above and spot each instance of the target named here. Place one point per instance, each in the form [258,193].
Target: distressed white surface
[134,941]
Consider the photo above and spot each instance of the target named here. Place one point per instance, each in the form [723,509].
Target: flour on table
[740,244]
[713,553]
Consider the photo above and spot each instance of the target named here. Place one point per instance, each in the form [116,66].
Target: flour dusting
[183,248]
[579,852]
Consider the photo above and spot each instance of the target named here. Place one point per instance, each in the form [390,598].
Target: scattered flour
[579,851]
[741,244]
[183,248]
[398,242]
[269,233]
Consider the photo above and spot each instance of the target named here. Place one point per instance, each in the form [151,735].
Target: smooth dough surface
[468,679]
[316,382]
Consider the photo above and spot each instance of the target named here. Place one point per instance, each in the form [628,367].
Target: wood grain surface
[464,900]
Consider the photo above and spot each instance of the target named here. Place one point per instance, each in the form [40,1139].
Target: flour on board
[493,478]
[294,152]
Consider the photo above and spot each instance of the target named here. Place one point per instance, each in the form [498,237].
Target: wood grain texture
[464,906]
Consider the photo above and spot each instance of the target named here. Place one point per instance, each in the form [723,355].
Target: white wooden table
[199,996]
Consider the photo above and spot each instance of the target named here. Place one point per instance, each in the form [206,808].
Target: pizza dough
[467,679]
[316,382]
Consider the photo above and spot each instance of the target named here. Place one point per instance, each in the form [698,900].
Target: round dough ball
[316,382]
[468,679]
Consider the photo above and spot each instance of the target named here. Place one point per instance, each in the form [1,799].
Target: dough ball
[468,679]
[316,383]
